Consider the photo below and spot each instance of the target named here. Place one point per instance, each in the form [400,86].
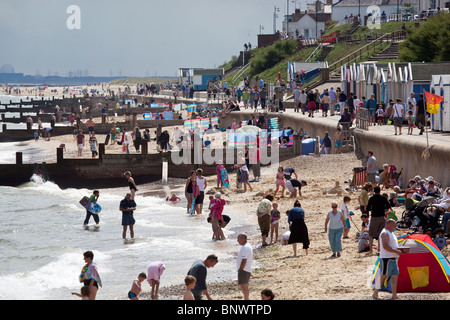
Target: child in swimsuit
[279,182]
[131,183]
[173,199]
[136,287]
[275,217]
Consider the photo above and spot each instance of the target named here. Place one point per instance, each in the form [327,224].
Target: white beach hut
[440,85]
[435,119]
[444,84]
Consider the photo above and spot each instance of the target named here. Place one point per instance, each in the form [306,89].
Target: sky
[133,37]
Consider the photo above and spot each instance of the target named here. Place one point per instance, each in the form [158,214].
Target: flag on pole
[433,102]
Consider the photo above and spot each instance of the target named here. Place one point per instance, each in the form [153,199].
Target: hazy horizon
[137,38]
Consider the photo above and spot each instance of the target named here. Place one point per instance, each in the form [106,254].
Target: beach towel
[155,271]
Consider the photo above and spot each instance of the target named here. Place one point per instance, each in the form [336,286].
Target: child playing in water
[136,287]
[190,284]
[173,199]
[279,182]
[131,183]
[275,218]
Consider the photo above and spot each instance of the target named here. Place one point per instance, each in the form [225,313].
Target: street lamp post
[275,16]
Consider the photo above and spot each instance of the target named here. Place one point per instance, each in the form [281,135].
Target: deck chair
[359,177]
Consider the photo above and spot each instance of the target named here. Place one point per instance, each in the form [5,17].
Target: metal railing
[240,72]
[358,54]
[362,119]
[317,51]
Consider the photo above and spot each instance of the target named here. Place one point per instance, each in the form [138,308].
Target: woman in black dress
[297,226]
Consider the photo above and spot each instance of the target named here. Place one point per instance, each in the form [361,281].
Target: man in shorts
[90,124]
[389,254]
[292,184]
[80,142]
[377,205]
[244,264]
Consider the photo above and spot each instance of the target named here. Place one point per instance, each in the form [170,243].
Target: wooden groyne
[107,170]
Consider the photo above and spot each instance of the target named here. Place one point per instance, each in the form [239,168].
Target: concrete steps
[390,53]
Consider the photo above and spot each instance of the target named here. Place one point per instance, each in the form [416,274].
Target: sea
[42,239]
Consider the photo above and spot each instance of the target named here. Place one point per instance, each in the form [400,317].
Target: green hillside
[267,62]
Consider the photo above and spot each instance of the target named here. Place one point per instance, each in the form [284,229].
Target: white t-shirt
[392,243]
[344,210]
[126,138]
[397,109]
[201,183]
[245,252]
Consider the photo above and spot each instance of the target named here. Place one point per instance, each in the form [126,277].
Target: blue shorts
[389,266]
[347,223]
[338,144]
[131,295]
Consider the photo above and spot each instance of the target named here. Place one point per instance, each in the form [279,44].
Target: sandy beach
[315,276]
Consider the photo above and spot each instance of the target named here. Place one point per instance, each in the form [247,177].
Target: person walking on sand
[298,228]
[89,275]
[199,271]
[90,124]
[136,288]
[127,206]
[131,183]
[335,219]
[263,213]
[80,142]
[389,254]
[377,205]
[244,264]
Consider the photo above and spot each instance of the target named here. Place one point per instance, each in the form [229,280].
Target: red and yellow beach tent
[423,269]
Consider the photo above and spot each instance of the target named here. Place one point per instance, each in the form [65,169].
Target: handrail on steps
[386,37]
[240,72]
[314,53]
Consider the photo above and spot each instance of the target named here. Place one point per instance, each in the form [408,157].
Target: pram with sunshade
[417,215]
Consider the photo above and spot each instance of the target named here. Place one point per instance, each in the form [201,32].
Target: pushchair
[416,215]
